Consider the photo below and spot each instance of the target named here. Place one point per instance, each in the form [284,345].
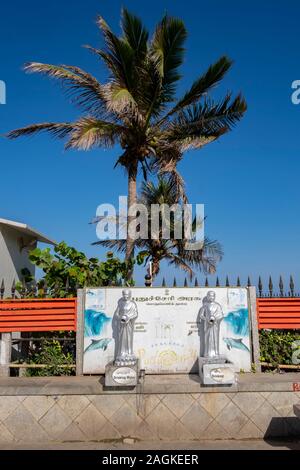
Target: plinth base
[216,371]
[121,376]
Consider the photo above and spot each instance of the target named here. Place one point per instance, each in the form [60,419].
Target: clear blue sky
[248,181]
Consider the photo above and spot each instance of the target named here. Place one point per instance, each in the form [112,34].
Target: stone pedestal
[216,371]
[5,354]
[121,376]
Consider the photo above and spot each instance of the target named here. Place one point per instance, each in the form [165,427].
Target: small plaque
[216,371]
[121,376]
[222,375]
[124,376]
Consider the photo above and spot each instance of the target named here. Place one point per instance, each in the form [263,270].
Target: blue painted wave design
[94,322]
[238,322]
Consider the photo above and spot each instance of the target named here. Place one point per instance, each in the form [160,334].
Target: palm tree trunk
[155,267]
[132,198]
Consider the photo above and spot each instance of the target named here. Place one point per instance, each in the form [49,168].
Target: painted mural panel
[169,332]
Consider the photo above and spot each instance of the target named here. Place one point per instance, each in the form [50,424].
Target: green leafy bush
[276,346]
[68,269]
[51,354]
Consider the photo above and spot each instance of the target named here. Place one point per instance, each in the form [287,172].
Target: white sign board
[168,336]
[124,375]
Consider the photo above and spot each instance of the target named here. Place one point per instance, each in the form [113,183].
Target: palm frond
[164,163]
[152,91]
[169,170]
[200,124]
[118,56]
[179,262]
[164,192]
[59,130]
[120,245]
[205,259]
[203,84]
[89,132]
[135,34]
[117,245]
[167,47]
[82,87]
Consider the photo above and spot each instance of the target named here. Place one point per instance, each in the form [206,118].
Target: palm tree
[136,105]
[171,249]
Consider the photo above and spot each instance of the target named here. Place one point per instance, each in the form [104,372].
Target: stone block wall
[148,416]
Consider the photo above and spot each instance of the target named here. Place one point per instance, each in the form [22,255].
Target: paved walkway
[153,445]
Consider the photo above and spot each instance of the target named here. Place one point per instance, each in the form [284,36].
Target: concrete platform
[94,385]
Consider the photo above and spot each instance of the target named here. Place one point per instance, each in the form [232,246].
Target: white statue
[212,314]
[126,315]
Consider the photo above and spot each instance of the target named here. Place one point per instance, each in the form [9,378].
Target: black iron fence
[32,289]
[270,289]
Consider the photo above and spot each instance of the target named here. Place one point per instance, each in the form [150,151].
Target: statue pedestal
[216,371]
[122,376]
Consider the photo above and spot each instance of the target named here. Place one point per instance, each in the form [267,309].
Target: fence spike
[2,289]
[185,282]
[56,289]
[174,282]
[270,286]
[148,280]
[163,284]
[24,289]
[13,289]
[45,288]
[217,282]
[281,286]
[238,282]
[292,286]
[196,282]
[34,288]
[206,282]
[227,282]
[260,287]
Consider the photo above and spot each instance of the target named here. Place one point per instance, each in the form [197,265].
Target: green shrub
[276,346]
[50,353]
[66,269]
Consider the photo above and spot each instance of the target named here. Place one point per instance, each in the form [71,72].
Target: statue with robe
[126,314]
[211,314]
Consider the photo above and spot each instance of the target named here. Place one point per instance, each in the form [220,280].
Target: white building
[16,240]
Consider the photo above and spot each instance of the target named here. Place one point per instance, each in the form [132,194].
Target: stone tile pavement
[148,417]
[164,408]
